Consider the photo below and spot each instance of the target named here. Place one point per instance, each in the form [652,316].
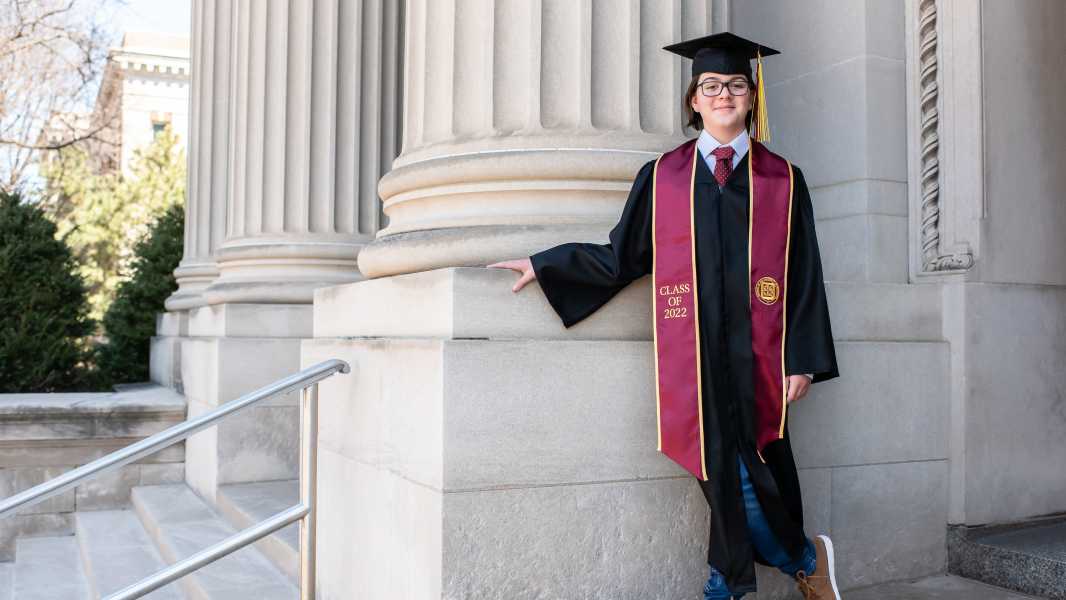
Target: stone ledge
[473,302]
[137,399]
[250,320]
[1027,556]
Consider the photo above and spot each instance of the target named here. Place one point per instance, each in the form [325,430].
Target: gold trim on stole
[784,304]
[696,305]
[751,221]
[654,311]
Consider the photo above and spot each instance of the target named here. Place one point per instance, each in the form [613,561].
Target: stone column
[524,124]
[313,129]
[296,119]
[208,147]
[212,61]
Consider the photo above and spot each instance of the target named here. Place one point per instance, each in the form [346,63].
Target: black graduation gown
[578,278]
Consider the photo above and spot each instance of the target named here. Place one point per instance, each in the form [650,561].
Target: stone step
[937,587]
[1028,556]
[116,552]
[48,568]
[245,504]
[133,412]
[180,523]
[6,573]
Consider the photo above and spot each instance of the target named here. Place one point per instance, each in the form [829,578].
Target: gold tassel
[759,121]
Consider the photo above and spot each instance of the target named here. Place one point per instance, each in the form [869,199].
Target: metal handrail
[307,382]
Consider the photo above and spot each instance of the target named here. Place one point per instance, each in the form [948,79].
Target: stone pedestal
[481,449]
[231,350]
[164,365]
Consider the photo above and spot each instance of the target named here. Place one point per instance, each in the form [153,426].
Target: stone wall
[44,435]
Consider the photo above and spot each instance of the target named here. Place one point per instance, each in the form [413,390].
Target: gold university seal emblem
[767,290]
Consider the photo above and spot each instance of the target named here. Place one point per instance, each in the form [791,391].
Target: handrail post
[308,482]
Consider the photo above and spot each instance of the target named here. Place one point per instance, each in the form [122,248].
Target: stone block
[49,568]
[1015,401]
[20,479]
[201,456]
[869,311]
[260,444]
[164,362]
[869,248]
[624,539]
[261,441]
[109,490]
[78,452]
[399,525]
[251,320]
[508,413]
[388,411]
[888,405]
[156,474]
[888,521]
[470,302]
[24,526]
[860,197]
[172,324]
[859,28]
[218,370]
[866,92]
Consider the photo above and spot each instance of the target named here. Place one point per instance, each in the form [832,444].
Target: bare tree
[52,53]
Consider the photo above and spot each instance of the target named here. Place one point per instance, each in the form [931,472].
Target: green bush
[43,305]
[129,322]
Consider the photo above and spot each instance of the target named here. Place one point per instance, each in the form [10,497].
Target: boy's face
[724,111]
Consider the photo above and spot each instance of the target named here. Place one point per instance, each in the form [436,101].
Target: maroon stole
[679,396]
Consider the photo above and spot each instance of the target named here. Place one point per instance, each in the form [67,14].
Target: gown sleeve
[809,339]
[578,278]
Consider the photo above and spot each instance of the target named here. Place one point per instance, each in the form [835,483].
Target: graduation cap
[729,54]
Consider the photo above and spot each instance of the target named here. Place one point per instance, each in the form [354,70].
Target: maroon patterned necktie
[724,166]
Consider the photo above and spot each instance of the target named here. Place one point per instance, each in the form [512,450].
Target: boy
[742,327]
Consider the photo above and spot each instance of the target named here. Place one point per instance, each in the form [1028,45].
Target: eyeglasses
[713,87]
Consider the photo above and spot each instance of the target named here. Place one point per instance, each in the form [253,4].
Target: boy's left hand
[797,387]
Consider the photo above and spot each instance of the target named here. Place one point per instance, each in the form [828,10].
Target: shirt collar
[706,143]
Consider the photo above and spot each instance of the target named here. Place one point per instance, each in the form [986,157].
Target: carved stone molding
[941,234]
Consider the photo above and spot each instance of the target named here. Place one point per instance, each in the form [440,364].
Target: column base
[474,246]
[280,271]
[192,279]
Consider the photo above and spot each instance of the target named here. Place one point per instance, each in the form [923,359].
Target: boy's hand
[524,266]
[797,387]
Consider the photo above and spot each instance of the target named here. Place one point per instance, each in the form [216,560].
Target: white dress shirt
[707,144]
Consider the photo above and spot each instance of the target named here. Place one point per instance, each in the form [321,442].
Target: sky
[167,16]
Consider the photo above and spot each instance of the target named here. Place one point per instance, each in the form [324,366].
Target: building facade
[145,88]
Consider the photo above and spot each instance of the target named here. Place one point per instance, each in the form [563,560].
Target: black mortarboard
[724,53]
[731,54]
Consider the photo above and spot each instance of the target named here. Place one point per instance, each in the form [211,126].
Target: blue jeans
[764,541]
